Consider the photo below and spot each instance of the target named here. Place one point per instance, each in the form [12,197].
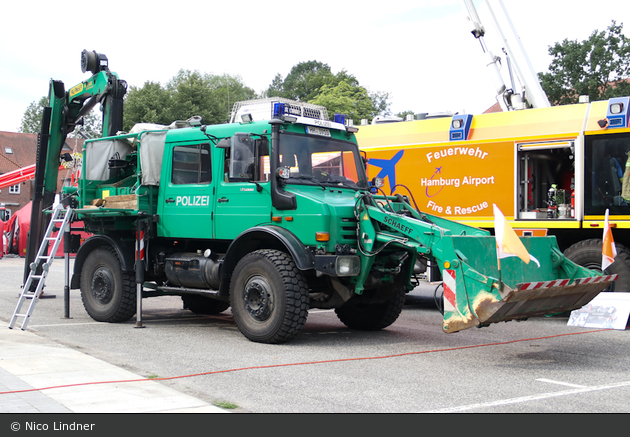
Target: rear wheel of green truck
[360,313]
[588,253]
[268,296]
[107,292]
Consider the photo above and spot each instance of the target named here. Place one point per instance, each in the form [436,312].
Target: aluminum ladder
[61,220]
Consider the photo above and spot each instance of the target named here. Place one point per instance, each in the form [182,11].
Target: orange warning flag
[609,251]
[508,243]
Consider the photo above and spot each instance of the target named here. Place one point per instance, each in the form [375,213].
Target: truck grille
[348,230]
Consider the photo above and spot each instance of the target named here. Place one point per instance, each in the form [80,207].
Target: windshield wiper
[310,178]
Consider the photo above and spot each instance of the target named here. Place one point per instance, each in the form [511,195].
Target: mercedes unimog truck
[268,215]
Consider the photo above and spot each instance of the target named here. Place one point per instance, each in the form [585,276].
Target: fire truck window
[546,182]
[606,176]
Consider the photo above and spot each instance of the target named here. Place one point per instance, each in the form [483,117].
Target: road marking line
[529,398]
[551,381]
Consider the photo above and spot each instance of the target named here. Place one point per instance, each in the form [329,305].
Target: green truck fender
[264,237]
[124,250]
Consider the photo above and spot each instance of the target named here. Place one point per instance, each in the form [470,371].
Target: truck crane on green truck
[271,214]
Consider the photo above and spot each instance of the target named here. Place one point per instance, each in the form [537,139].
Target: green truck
[269,215]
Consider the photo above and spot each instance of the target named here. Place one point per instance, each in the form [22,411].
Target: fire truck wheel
[359,313]
[268,296]
[588,253]
[204,305]
[107,292]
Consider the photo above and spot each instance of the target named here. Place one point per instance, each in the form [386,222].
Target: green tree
[190,94]
[598,67]
[148,104]
[304,81]
[314,82]
[226,90]
[343,98]
[32,118]
[187,94]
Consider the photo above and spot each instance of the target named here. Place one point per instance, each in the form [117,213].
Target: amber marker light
[276,218]
[322,236]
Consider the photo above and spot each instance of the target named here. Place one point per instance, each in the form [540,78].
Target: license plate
[317,131]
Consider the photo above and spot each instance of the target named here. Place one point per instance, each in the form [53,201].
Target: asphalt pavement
[38,375]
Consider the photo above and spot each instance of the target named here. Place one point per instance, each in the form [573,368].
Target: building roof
[18,150]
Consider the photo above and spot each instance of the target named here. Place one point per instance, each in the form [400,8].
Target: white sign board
[607,310]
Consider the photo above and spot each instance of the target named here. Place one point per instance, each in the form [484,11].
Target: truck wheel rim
[103,285]
[257,298]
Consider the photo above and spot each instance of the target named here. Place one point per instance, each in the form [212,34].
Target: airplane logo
[388,168]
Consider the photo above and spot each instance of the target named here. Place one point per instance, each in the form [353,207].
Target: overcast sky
[421,52]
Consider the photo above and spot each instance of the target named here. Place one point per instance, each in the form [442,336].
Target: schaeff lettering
[394,224]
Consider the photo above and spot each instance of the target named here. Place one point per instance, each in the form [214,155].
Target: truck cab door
[186,195]
[243,197]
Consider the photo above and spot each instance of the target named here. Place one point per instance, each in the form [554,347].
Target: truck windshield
[315,160]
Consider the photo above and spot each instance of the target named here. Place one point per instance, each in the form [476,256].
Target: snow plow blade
[477,293]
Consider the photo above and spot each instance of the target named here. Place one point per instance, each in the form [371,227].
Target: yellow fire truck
[551,171]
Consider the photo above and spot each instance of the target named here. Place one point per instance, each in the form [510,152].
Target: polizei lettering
[192,201]
[394,224]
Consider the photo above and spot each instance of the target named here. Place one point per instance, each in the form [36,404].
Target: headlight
[347,265]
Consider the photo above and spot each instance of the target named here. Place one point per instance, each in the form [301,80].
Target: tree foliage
[314,82]
[187,94]
[32,118]
[191,93]
[598,67]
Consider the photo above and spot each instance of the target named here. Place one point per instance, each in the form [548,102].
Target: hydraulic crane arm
[64,112]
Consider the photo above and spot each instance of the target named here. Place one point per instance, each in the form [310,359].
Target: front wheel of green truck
[268,296]
[107,292]
[360,313]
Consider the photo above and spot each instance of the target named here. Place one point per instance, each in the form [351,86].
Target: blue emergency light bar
[278,109]
[340,118]
[618,111]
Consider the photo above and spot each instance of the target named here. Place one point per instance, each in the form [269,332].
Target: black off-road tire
[268,296]
[107,292]
[199,304]
[359,313]
[588,253]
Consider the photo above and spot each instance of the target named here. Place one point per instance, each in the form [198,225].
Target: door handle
[223,200]
[170,200]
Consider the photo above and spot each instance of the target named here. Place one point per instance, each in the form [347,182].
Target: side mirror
[224,143]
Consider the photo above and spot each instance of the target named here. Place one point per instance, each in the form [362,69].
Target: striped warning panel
[450,289]
[565,282]
[596,279]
